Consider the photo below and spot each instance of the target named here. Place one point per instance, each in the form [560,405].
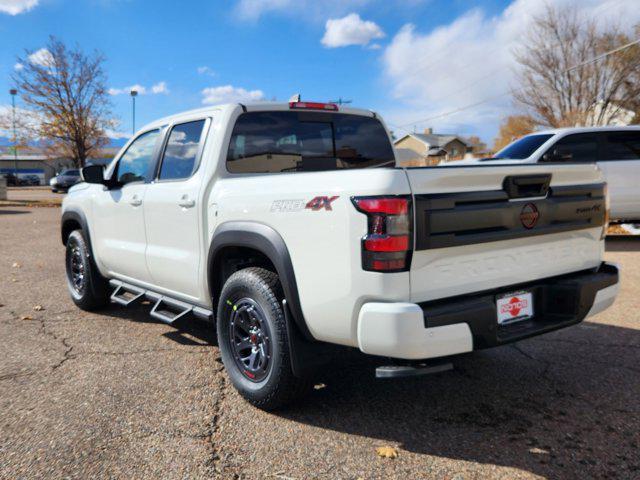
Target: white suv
[616,150]
[291,226]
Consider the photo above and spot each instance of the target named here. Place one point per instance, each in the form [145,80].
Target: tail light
[387,246]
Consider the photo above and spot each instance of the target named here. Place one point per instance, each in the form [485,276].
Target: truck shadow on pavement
[189,331]
[4,211]
[563,405]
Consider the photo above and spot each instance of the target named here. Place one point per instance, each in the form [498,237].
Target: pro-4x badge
[319,203]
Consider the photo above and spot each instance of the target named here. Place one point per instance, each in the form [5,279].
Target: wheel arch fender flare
[267,241]
[74,216]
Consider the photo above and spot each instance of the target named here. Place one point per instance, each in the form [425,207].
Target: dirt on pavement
[116,394]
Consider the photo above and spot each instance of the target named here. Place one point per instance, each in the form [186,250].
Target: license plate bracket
[514,307]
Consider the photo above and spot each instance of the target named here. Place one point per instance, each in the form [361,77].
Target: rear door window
[181,153]
[620,146]
[274,142]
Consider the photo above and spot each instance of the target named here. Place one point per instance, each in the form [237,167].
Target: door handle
[136,201]
[186,202]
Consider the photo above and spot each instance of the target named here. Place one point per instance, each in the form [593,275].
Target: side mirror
[93,174]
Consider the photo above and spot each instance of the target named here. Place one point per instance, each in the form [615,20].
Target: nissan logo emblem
[529,215]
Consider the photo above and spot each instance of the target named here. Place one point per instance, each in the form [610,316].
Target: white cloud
[14,7]
[305,9]
[350,30]
[160,87]
[127,90]
[470,60]
[41,57]
[204,70]
[27,121]
[230,94]
[115,135]
[18,66]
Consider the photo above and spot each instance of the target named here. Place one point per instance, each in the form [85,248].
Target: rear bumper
[461,324]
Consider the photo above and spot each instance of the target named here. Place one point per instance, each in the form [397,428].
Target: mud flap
[307,357]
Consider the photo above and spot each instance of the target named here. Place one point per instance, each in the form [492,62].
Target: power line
[447,54]
[496,71]
[606,54]
[495,97]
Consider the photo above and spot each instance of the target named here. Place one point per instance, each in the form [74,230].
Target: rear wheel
[88,289]
[252,336]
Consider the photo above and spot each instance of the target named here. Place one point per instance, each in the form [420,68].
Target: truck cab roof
[566,130]
[250,107]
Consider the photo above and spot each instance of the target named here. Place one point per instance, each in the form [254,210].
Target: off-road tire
[94,292]
[280,386]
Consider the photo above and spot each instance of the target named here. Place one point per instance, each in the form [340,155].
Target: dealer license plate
[514,307]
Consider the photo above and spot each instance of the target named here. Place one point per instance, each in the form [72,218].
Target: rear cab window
[285,141]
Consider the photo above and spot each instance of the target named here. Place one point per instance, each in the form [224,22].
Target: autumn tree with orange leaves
[65,91]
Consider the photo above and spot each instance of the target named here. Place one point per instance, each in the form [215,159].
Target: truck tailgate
[484,227]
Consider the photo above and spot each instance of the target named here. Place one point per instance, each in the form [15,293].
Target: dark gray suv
[65,180]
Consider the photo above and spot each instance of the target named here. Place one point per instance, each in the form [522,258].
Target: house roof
[434,139]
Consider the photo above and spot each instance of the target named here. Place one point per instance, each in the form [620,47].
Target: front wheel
[252,337]
[88,289]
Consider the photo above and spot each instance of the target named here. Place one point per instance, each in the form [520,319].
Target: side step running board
[165,309]
[126,294]
[168,310]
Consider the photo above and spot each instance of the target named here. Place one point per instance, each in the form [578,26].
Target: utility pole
[134,94]
[13,93]
[341,101]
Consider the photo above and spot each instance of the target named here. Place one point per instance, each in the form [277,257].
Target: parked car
[30,180]
[65,180]
[292,223]
[12,180]
[616,150]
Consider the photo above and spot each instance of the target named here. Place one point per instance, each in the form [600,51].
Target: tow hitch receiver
[413,369]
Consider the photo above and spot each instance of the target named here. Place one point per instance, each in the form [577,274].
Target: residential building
[428,148]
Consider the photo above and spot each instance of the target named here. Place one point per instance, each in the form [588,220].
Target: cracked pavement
[116,394]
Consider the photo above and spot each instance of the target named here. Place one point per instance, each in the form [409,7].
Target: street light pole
[134,94]
[13,93]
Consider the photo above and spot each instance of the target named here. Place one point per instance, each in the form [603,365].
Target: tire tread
[288,387]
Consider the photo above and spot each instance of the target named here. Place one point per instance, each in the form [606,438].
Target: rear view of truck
[496,254]
[310,209]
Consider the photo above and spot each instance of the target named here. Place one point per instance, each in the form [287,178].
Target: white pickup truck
[616,151]
[291,226]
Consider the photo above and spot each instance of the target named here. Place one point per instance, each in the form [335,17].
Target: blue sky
[410,60]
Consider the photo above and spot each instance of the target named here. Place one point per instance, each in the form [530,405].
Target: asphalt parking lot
[119,395]
[34,194]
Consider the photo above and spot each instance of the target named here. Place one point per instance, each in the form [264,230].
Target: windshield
[294,141]
[71,173]
[522,148]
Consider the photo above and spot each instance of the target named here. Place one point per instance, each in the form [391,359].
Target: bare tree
[555,91]
[512,128]
[65,90]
